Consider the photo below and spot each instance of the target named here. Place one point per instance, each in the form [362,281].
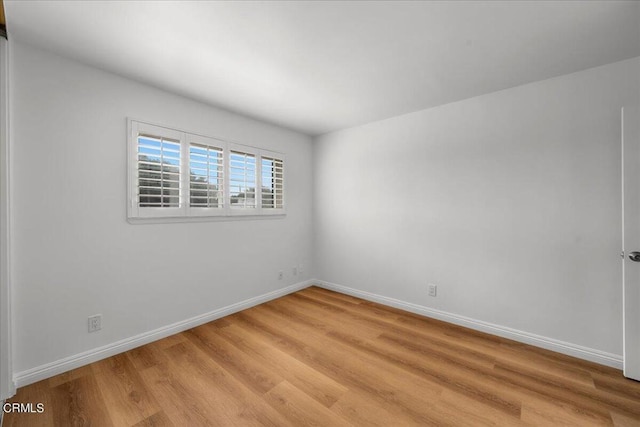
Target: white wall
[74,254]
[509,202]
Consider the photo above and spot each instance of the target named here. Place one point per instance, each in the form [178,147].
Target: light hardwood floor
[321,358]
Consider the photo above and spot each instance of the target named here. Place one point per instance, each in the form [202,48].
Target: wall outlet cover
[432,289]
[95,323]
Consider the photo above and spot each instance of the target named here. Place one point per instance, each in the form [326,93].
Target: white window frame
[185,212]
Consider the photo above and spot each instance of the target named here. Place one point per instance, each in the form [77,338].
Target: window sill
[183,219]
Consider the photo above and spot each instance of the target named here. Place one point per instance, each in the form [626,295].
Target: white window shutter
[272,174]
[175,174]
[242,180]
[206,176]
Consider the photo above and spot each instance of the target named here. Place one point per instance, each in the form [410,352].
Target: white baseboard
[63,365]
[597,356]
[48,370]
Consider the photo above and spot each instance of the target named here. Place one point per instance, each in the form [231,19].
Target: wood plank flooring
[317,357]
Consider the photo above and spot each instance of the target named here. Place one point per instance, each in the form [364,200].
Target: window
[176,174]
[272,183]
[206,176]
[242,180]
[158,171]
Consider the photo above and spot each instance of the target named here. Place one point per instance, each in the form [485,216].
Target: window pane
[242,180]
[158,172]
[206,168]
[272,183]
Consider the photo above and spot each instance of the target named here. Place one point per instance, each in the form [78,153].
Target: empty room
[326,213]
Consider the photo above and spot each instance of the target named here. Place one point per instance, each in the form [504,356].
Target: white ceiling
[322,66]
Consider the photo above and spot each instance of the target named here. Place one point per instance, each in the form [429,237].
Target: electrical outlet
[280,275]
[433,290]
[95,323]
[294,271]
[300,269]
